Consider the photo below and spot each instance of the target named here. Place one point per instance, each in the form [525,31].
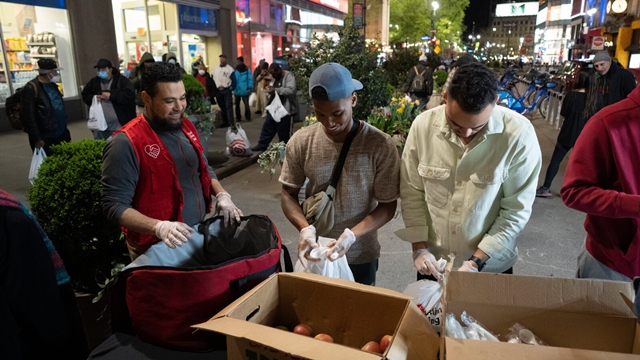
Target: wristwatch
[478,262]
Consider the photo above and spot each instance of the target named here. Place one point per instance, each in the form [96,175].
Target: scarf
[61,273]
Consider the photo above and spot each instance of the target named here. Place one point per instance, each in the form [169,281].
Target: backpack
[419,83]
[13,107]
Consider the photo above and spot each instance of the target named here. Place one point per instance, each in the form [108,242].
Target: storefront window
[190,32]
[31,33]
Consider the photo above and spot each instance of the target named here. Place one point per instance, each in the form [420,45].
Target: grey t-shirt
[120,173]
[371,174]
[107,107]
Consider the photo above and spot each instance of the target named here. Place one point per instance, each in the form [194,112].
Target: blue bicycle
[527,96]
[541,100]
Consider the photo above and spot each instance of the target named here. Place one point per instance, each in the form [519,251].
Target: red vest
[158,193]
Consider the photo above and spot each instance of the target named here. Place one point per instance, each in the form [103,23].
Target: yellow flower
[401,109]
[394,99]
[417,102]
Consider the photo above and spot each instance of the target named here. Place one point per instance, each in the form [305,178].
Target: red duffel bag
[159,303]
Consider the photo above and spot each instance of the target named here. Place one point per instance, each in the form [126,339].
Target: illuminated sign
[340,5]
[517,9]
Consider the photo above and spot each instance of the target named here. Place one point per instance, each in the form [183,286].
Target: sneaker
[543,192]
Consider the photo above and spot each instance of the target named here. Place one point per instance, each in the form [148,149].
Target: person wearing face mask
[135,76]
[116,94]
[42,108]
[468,178]
[156,181]
[207,81]
[170,58]
[366,194]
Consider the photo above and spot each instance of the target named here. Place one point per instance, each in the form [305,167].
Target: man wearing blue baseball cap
[367,189]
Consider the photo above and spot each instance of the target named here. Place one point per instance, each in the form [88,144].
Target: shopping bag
[96,116]
[253,99]
[427,295]
[36,160]
[238,142]
[276,108]
[338,269]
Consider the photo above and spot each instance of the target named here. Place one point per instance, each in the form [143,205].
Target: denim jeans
[247,108]
[271,128]
[225,101]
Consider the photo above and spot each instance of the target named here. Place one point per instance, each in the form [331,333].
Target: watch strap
[481,264]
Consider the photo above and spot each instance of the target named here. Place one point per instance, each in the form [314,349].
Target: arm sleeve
[292,173]
[386,183]
[234,81]
[124,93]
[589,175]
[87,93]
[410,75]
[28,103]
[250,80]
[288,86]
[519,191]
[120,173]
[414,207]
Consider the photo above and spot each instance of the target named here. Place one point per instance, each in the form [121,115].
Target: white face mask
[54,79]
[172,61]
[201,72]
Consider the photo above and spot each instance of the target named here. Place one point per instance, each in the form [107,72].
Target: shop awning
[633,48]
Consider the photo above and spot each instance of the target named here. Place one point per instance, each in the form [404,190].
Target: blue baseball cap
[335,79]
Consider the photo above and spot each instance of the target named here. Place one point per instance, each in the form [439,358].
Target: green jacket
[135,77]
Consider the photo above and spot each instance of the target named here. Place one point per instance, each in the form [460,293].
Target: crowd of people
[467,176]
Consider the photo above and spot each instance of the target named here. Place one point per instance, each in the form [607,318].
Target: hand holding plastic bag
[468,266]
[342,245]
[338,269]
[426,263]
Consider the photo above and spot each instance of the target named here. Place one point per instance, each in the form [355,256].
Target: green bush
[440,77]
[198,105]
[398,65]
[351,52]
[66,200]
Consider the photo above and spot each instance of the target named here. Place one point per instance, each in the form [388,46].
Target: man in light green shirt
[468,178]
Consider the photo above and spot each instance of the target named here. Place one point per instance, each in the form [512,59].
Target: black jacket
[428,77]
[123,97]
[36,111]
[212,89]
[616,84]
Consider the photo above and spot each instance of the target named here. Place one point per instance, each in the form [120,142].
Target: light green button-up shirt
[459,200]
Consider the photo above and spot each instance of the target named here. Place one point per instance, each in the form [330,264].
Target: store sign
[598,43]
[340,5]
[58,4]
[608,44]
[358,15]
[517,9]
[193,18]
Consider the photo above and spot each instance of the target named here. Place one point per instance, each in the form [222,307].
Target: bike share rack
[554,104]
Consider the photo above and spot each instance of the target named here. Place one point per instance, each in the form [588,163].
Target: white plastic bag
[37,159]
[238,142]
[453,328]
[276,108]
[426,295]
[338,269]
[97,120]
[253,99]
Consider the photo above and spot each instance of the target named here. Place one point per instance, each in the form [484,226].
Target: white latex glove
[225,206]
[306,243]
[342,245]
[173,233]
[426,263]
[469,266]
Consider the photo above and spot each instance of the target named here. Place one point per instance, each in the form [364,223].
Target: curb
[235,166]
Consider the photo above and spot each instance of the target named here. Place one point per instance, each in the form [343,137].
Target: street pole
[364,20]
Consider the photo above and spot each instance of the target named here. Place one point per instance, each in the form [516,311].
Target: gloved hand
[342,245]
[225,206]
[173,233]
[469,266]
[426,263]
[306,243]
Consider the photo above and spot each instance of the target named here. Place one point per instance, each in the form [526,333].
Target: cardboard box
[351,313]
[578,318]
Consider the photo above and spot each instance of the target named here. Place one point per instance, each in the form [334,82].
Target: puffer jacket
[36,111]
[244,82]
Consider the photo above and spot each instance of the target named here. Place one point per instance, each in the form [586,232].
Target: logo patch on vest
[152,150]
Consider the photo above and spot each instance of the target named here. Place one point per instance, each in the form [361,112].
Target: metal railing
[553,105]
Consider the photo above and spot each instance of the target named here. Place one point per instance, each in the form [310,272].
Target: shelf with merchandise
[41,43]
[43,55]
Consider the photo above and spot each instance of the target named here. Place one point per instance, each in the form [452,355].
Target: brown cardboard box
[579,319]
[351,313]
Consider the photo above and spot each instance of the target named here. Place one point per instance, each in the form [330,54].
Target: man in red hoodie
[156,181]
[603,180]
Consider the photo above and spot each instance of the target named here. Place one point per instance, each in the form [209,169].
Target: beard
[165,124]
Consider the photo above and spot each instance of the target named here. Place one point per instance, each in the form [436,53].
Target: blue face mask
[103,74]
[172,61]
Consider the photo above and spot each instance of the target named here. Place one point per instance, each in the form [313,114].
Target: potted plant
[66,200]
[199,109]
[395,119]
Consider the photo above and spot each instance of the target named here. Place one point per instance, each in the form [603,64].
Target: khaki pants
[135,250]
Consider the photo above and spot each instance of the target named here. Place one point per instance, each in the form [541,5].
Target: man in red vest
[155,178]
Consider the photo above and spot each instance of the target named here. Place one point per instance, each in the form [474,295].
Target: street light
[435,5]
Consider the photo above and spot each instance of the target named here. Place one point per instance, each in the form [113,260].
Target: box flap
[570,295]
[284,341]
[413,333]
[462,349]
[241,299]
[347,284]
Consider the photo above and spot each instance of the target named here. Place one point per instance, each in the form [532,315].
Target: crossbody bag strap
[337,170]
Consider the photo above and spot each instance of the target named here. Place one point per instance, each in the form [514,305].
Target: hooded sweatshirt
[616,84]
[135,77]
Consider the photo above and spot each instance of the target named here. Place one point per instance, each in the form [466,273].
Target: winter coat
[428,78]
[135,77]
[122,96]
[244,82]
[36,111]
[616,84]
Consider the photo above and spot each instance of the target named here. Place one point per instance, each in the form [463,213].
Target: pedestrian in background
[171,58]
[262,82]
[116,95]
[136,75]
[419,85]
[207,81]
[244,88]
[614,82]
[225,78]
[577,107]
[42,109]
